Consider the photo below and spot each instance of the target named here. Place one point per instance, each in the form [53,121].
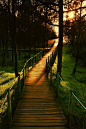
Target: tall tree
[60,44]
[14,37]
[76,30]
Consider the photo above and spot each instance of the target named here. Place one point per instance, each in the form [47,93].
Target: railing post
[46,68]
[0,120]
[28,65]
[9,108]
[52,54]
[52,57]
[23,76]
[35,58]
[43,52]
[38,56]
[51,77]
[48,63]
[25,69]
[48,59]
[84,120]
[57,85]
[69,109]
[32,62]
[19,86]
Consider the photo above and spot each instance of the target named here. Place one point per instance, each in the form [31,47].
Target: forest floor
[76,82]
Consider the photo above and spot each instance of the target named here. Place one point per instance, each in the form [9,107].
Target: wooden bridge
[37,107]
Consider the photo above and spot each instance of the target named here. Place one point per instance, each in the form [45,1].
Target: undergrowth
[75,82]
[7,72]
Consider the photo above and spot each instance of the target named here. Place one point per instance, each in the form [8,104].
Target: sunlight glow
[71,15]
[16,13]
[55,44]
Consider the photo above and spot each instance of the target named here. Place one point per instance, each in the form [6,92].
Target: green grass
[7,75]
[7,72]
[75,82]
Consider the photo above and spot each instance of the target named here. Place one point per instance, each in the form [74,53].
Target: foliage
[8,71]
[7,76]
[26,29]
[77,39]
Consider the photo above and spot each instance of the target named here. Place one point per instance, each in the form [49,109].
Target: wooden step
[37,120]
[58,116]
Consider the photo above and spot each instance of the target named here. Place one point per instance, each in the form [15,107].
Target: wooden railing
[52,74]
[51,60]
[10,97]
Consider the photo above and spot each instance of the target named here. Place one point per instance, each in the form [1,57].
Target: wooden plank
[38,107]
[36,96]
[45,101]
[37,120]
[46,105]
[37,104]
[40,116]
[38,128]
[39,100]
[32,124]
[37,112]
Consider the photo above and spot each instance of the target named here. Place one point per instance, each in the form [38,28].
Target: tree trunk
[16,59]
[19,53]
[12,53]
[79,43]
[6,36]
[60,44]
[3,61]
[10,28]
[13,38]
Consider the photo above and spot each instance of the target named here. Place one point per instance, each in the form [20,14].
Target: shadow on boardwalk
[37,107]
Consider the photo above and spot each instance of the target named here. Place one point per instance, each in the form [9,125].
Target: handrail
[69,89]
[31,58]
[6,96]
[22,70]
[14,91]
[71,92]
[78,100]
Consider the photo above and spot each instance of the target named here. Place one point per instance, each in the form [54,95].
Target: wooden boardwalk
[37,107]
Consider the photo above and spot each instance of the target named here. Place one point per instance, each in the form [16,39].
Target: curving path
[37,107]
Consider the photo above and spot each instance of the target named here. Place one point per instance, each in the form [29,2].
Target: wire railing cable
[68,88]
